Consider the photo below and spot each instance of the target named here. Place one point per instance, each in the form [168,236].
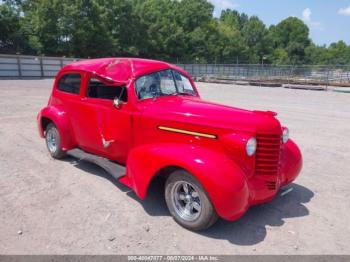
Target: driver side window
[100,90]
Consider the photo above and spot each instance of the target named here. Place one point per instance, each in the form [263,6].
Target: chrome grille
[267,154]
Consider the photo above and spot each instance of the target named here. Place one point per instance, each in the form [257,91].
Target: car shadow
[95,170]
[251,229]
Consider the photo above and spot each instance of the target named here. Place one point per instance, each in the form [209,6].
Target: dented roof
[120,70]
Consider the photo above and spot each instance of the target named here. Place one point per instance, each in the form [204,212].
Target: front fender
[222,179]
[291,162]
[59,117]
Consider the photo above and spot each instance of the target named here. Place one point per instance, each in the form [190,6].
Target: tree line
[172,30]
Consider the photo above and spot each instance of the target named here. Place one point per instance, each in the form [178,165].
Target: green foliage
[82,28]
[256,39]
[233,19]
[339,53]
[9,24]
[13,38]
[292,35]
[173,30]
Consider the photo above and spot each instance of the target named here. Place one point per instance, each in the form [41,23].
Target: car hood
[178,110]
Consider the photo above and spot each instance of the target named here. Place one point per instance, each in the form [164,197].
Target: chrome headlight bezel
[285,135]
[251,146]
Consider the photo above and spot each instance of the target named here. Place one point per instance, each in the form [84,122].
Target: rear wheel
[53,141]
[188,202]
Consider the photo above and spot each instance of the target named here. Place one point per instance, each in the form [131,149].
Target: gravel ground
[56,207]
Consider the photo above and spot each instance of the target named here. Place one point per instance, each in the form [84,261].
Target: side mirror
[117,103]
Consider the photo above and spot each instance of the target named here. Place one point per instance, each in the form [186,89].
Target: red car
[140,119]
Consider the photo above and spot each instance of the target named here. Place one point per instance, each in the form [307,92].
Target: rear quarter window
[69,83]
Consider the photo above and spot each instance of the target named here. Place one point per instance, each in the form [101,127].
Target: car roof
[120,69]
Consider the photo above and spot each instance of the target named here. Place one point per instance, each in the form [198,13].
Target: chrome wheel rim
[186,200]
[51,140]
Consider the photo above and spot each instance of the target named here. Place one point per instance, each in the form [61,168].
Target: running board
[115,170]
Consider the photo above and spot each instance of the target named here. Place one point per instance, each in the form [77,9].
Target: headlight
[251,146]
[285,135]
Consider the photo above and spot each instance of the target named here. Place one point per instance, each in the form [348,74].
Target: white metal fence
[19,66]
[311,74]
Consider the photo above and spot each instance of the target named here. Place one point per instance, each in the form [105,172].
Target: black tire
[207,215]
[56,152]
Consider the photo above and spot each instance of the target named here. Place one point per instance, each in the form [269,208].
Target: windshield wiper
[181,94]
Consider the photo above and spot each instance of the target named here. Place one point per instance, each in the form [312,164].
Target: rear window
[70,83]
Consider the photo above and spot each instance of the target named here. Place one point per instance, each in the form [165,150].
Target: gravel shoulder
[69,207]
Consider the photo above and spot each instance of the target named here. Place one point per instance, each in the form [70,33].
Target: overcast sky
[328,20]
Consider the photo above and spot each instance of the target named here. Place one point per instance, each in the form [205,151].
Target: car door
[105,130]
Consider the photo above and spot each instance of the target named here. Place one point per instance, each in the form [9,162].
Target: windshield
[163,83]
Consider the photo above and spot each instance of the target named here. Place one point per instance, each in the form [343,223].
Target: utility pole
[262,68]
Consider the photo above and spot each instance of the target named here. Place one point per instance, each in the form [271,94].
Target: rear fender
[61,121]
[222,179]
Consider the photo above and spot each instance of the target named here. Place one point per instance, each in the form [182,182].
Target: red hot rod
[140,119]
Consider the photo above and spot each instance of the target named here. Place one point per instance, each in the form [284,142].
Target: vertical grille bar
[268,157]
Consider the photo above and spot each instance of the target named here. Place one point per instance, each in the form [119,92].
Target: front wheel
[188,202]
[53,141]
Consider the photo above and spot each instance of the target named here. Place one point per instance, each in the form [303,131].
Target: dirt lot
[75,208]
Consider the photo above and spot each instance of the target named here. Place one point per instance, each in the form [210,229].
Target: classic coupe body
[148,119]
